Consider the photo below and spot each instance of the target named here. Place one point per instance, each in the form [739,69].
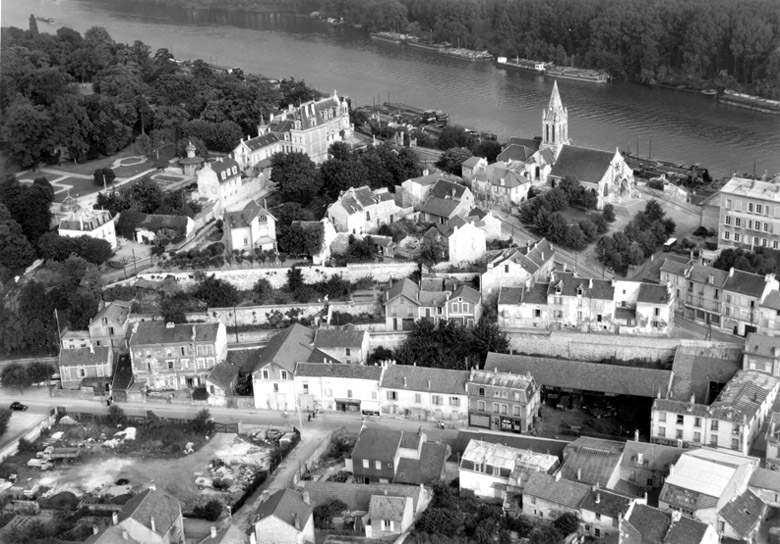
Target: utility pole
[135,266]
[235,322]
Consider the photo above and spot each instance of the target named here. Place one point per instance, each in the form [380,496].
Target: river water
[682,127]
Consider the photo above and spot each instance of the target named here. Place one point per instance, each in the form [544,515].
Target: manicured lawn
[80,187]
[88,168]
[129,171]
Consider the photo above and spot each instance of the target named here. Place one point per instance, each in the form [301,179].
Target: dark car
[18,407]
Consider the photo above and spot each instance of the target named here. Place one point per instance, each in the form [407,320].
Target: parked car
[18,407]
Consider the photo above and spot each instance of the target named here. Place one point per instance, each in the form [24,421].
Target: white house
[253,227]
[388,516]
[513,267]
[93,223]
[284,518]
[345,388]
[424,393]
[222,182]
[273,377]
[414,191]
[361,210]
[253,151]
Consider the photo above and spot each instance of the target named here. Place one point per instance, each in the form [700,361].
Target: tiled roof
[339,338]
[84,356]
[227,165]
[467,293]
[654,456]
[700,273]
[355,200]
[673,267]
[448,189]
[621,380]
[772,300]
[651,523]
[259,142]
[157,332]
[152,503]
[531,258]
[243,218]
[353,372]
[765,479]
[418,378]
[222,375]
[288,347]
[697,363]
[244,359]
[440,207]
[743,513]
[319,356]
[568,284]
[605,503]
[386,507]
[537,294]
[357,497]
[231,534]
[471,162]
[427,470]
[681,407]
[745,283]
[123,373]
[653,294]
[581,163]
[405,287]
[433,298]
[431,179]
[562,492]
[743,395]
[687,531]
[286,505]
[377,444]
[512,295]
[515,152]
[116,311]
[591,460]
[686,499]
[501,175]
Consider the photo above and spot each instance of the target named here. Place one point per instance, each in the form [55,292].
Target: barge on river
[525,65]
[755,103]
[393,37]
[466,54]
[577,74]
[415,42]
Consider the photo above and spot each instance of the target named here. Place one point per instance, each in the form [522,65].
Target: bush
[200,394]
[209,511]
[27,445]
[203,423]
[116,416]
[657,184]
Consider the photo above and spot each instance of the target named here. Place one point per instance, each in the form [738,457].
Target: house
[406,302]
[153,516]
[742,295]
[151,224]
[503,183]
[464,306]
[741,517]
[762,353]
[644,524]
[748,214]
[514,267]
[731,422]
[773,442]
[221,383]
[465,242]
[487,469]
[357,496]
[80,363]
[645,466]
[593,461]
[312,127]
[488,222]
[769,314]
[601,511]
[702,368]
[346,388]
[75,339]
[251,152]
[221,181]
[170,356]
[654,309]
[110,325]
[502,401]
[231,534]
[401,305]
[251,228]
[447,199]
[415,191]
[273,376]
[424,393]
[284,518]
[548,497]
[349,346]
[360,210]
[96,224]
[388,516]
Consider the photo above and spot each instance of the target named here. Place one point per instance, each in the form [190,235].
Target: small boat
[709,92]
[49,20]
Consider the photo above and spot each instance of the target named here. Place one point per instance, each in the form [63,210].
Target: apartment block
[502,401]
[749,214]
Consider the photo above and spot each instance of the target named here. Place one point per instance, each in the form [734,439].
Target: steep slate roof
[650,293]
[686,499]
[530,258]
[229,535]
[418,378]
[468,293]
[654,456]
[743,395]
[84,356]
[619,380]
[471,162]
[157,332]
[286,348]
[512,295]
[222,375]
[286,505]
[772,300]
[358,496]
[674,267]
[85,220]
[686,531]
[606,503]
[426,470]
[355,200]
[405,287]
[581,163]
[697,362]
[338,338]
[745,283]
[259,142]
[354,372]
[568,284]
[762,478]
[448,189]
[152,503]
[118,310]
[563,492]
[440,207]
[516,152]
[387,507]
[537,294]
[225,164]
[500,171]
[243,218]
[533,143]
[377,444]
[744,513]
[702,274]
[592,459]
[657,527]
[244,359]
[319,356]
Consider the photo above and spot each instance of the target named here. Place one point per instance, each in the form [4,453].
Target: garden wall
[31,435]
[258,315]
[245,278]
[389,340]
[591,347]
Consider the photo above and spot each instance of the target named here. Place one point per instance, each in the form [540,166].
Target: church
[553,158]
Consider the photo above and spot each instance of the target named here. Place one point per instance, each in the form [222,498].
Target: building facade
[222,182]
[515,267]
[90,362]
[423,393]
[749,214]
[251,152]
[502,401]
[96,224]
[110,325]
[251,228]
[360,210]
[344,388]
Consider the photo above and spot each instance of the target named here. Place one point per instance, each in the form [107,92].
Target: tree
[545,534]
[174,307]
[5,417]
[380,354]
[17,251]
[608,213]
[324,513]
[40,371]
[116,416]
[202,423]
[29,205]
[452,160]
[33,25]
[216,293]
[16,376]
[431,253]
[489,149]
[302,239]
[295,176]
[28,133]
[262,289]
[103,177]
[454,136]
[566,523]
[209,511]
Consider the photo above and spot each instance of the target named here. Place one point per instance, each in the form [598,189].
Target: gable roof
[386,507]
[673,267]
[117,310]
[358,496]
[582,163]
[745,283]
[355,200]
[650,293]
[561,491]
[532,143]
[157,332]
[418,378]
[619,380]
[763,478]
[244,359]
[698,362]
[152,503]
[772,300]
[513,295]
[287,348]
[425,470]
[468,293]
[222,375]
[569,284]
[286,505]
[440,207]
[448,189]
[654,456]
[377,444]
[353,372]
[244,218]
[548,446]
[531,258]
[471,162]
[516,152]
[339,338]
[259,142]
[657,527]
[405,287]
[744,513]
[591,460]
[84,356]
[744,395]
[606,503]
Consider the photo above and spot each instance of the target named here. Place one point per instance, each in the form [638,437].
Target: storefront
[370,408]
[347,405]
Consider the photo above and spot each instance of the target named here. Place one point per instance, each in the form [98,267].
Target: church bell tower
[555,123]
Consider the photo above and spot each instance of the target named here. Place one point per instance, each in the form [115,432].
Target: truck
[53,454]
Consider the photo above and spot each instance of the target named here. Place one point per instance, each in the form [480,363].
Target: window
[82,372]
[111,332]
[365,463]
[349,352]
[455,307]
[759,208]
[750,206]
[349,393]
[506,269]
[775,244]
[515,410]
[504,409]
[435,399]
[378,465]
[737,221]
[170,365]
[537,313]
[417,398]
[679,434]
[481,391]
[306,389]
[697,437]
[276,388]
[481,405]
[495,407]
[726,235]
[680,419]
[736,237]
[598,318]
[387,525]
[728,220]
[662,432]
[735,443]
[496,393]
[598,517]
[728,203]
[657,311]
[454,401]
[392,395]
[517,395]
[697,422]
[284,374]
[735,429]
[504,394]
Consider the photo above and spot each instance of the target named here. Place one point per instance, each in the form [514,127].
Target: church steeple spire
[555,98]
[555,123]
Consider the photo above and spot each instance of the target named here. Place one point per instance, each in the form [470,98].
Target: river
[681,127]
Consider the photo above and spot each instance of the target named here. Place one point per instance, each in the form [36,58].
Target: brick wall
[591,347]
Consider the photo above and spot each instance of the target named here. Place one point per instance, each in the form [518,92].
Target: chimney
[114,518]
[598,498]
[429,385]
[636,435]
[731,272]
[306,497]
[676,515]
[168,325]
[151,522]
[671,470]
[194,329]
[296,523]
[91,348]
[152,486]
[213,532]
[558,476]
[579,474]
[404,381]
[95,530]
[252,538]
